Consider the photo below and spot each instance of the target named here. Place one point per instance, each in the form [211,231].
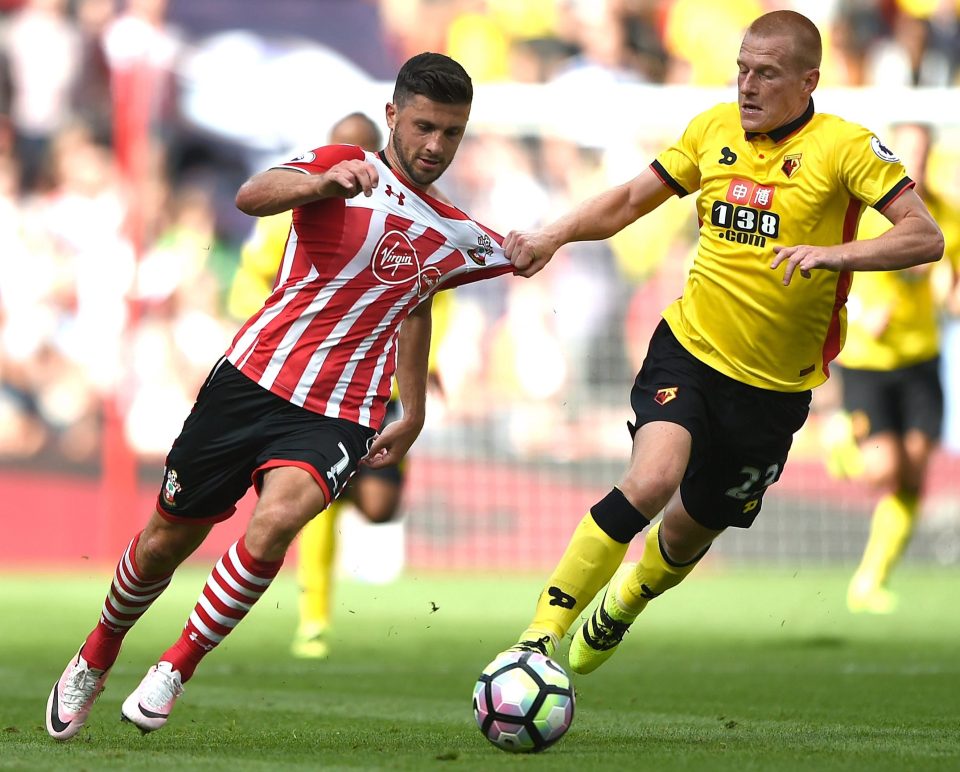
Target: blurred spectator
[911,56]
[181,285]
[703,37]
[92,100]
[42,47]
[80,232]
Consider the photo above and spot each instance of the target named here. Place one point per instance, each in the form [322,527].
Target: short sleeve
[320,159]
[869,169]
[678,167]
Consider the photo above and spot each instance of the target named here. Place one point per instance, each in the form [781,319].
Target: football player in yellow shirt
[727,377]
[890,378]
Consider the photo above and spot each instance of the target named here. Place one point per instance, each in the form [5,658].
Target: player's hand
[350,178]
[392,444]
[805,258]
[528,252]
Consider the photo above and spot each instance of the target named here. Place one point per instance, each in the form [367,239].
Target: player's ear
[810,80]
[391,113]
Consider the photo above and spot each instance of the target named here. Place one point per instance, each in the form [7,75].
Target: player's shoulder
[851,140]
[324,157]
[835,130]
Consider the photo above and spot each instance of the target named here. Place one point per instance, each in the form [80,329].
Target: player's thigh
[211,462]
[661,452]
[750,435]
[669,411]
[289,498]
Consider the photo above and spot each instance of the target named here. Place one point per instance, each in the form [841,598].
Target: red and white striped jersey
[351,271]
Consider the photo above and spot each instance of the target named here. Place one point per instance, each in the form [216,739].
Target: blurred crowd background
[126,127]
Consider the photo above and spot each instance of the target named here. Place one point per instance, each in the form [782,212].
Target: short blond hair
[807,47]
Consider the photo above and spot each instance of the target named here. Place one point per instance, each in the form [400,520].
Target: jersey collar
[782,132]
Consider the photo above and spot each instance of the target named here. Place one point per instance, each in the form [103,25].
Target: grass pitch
[742,670]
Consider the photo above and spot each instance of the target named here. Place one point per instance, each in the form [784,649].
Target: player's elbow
[934,243]
[248,200]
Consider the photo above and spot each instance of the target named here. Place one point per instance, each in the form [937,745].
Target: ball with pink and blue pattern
[523,702]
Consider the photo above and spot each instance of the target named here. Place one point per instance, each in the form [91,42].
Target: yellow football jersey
[892,318]
[804,183]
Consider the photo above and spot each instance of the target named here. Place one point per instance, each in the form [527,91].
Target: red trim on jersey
[850,219]
[831,345]
[904,185]
[179,519]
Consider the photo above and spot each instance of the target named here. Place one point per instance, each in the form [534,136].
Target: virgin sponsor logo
[395,261]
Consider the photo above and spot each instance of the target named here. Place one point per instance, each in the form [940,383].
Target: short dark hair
[435,76]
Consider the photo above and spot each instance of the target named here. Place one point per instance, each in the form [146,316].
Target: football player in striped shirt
[298,401]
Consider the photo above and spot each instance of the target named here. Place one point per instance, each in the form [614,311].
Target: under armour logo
[559,598]
[728,157]
[196,639]
[399,194]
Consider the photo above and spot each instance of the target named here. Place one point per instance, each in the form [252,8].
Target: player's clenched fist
[528,252]
[349,178]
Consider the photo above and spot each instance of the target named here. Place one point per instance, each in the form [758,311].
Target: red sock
[235,584]
[131,594]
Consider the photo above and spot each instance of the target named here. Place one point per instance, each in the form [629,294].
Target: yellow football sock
[317,548]
[653,575]
[890,531]
[590,560]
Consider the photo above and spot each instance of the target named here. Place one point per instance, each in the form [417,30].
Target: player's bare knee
[648,494]
[272,529]
[161,549]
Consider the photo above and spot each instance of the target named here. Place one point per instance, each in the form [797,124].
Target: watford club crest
[664,396]
[791,164]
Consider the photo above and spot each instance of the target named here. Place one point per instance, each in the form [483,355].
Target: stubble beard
[407,168]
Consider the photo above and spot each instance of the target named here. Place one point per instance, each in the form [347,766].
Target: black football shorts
[894,400]
[235,432]
[741,434]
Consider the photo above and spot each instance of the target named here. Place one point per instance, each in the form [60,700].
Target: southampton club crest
[170,487]
[482,251]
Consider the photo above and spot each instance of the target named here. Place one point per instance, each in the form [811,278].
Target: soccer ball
[523,702]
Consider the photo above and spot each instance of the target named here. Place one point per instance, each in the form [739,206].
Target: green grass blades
[733,670]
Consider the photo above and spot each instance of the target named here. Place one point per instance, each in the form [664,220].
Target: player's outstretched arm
[277,190]
[413,355]
[596,218]
[914,239]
